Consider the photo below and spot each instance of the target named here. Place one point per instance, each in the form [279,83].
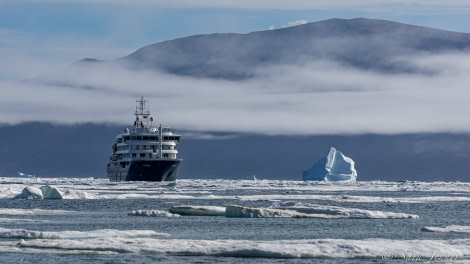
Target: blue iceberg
[333,167]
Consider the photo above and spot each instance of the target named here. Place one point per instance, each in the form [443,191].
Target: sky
[42,36]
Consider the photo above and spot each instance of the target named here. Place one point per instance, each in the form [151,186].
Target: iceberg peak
[333,167]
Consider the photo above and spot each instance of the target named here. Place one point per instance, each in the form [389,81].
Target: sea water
[95,221]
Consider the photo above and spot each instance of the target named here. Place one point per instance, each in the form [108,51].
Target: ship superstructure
[145,152]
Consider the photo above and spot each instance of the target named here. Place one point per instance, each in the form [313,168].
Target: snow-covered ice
[134,241]
[43,192]
[198,210]
[49,192]
[246,212]
[452,228]
[89,188]
[285,209]
[153,213]
[152,219]
[102,233]
[300,210]
[30,192]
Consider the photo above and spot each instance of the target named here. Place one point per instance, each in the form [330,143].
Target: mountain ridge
[367,44]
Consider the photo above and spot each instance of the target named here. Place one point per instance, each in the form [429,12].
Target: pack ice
[44,192]
[333,167]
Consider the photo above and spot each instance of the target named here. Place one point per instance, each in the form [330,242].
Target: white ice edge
[153,213]
[35,211]
[195,210]
[79,188]
[447,229]
[21,220]
[110,241]
[300,210]
[380,249]
[285,210]
[101,233]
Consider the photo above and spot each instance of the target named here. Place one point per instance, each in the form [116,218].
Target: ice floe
[86,188]
[300,210]
[50,192]
[378,249]
[32,211]
[27,234]
[450,229]
[154,213]
[25,175]
[285,209]
[20,220]
[44,192]
[102,233]
[246,212]
[198,210]
[30,193]
[245,198]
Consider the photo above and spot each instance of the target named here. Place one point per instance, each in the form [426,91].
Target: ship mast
[142,113]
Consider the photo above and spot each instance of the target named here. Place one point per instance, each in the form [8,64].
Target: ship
[145,152]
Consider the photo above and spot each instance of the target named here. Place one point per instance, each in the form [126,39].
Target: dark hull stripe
[151,170]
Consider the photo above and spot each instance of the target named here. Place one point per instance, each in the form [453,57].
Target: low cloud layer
[315,98]
[295,23]
[27,57]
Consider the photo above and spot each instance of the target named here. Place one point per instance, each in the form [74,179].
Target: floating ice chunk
[333,167]
[300,210]
[25,175]
[30,193]
[44,192]
[34,211]
[49,192]
[27,234]
[20,220]
[327,211]
[451,229]
[73,235]
[246,212]
[155,213]
[75,194]
[111,234]
[317,250]
[198,210]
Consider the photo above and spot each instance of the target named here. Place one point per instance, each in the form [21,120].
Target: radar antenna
[142,113]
